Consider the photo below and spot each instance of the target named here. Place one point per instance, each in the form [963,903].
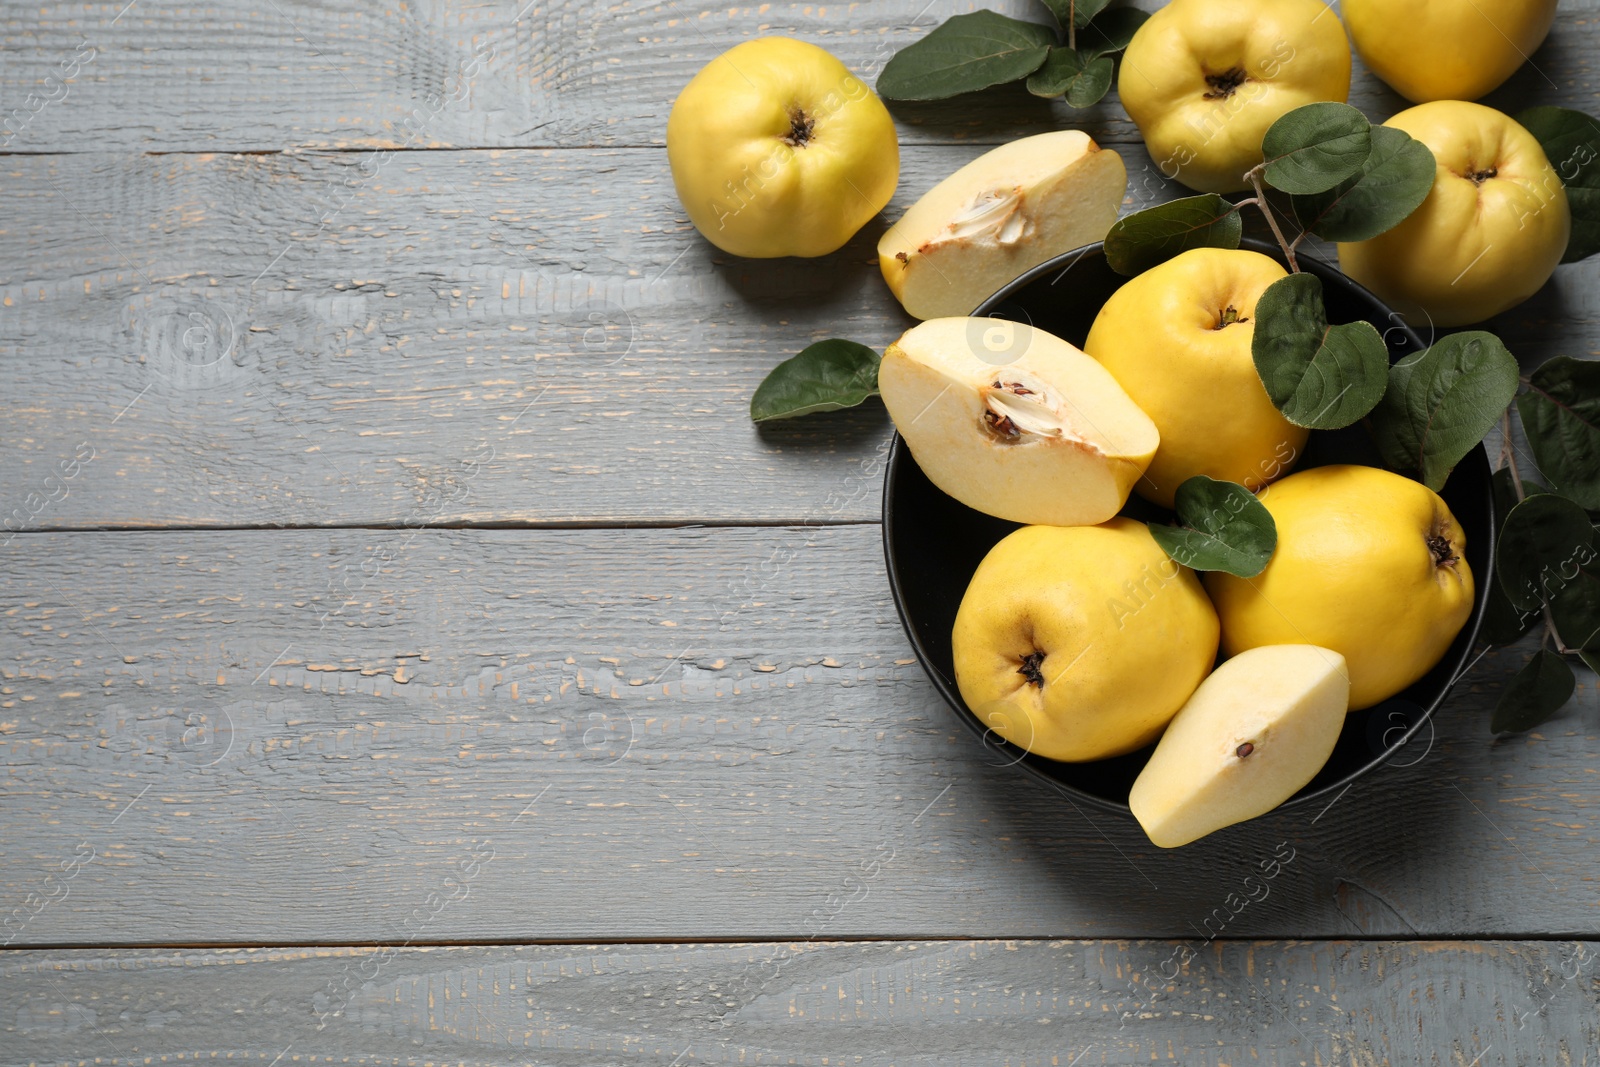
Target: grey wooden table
[410,653]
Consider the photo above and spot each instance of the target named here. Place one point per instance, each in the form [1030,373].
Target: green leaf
[1320,376]
[1066,72]
[825,376]
[1080,12]
[1441,402]
[963,54]
[1111,31]
[1086,11]
[1224,528]
[1141,240]
[1502,623]
[1061,68]
[1394,181]
[1575,609]
[1544,541]
[1062,10]
[1561,413]
[1537,692]
[1315,147]
[1091,87]
[1504,491]
[1571,142]
[1590,660]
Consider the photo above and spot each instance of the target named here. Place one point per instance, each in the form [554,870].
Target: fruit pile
[1083,635]
[1086,634]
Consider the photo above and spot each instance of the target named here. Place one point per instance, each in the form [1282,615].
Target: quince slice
[1015,422]
[1005,212]
[1256,731]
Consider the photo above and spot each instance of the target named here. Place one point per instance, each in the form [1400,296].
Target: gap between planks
[491,524]
[1489,938]
[417,150]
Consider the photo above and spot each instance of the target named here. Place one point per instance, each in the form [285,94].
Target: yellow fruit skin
[1471,250]
[1446,49]
[1207,134]
[1353,572]
[748,190]
[1158,336]
[1127,636]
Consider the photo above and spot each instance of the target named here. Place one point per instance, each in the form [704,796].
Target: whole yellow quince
[1177,339]
[1446,49]
[778,150]
[1081,642]
[1490,233]
[1203,79]
[1369,564]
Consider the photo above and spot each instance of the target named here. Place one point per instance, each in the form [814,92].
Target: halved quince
[1005,212]
[1015,422]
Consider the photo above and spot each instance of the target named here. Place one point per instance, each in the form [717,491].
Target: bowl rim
[899,454]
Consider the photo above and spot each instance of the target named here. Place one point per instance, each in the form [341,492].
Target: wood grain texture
[1006,1003]
[315,339]
[299,352]
[304,736]
[471,73]
[247,340]
[415,736]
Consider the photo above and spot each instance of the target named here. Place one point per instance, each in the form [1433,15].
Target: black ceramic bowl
[934,544]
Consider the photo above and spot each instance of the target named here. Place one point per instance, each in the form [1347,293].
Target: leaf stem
[1550,629]
[1510,454]
[1072,25]
[1272,220]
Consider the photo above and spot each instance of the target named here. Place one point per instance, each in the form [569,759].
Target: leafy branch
[1548,549]
[980,49]
[1345,179]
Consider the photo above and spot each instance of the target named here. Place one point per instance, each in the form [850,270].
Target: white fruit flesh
[1015,422]
[1256,731]
[1006,211]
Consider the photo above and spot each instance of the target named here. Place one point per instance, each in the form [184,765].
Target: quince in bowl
[937,548]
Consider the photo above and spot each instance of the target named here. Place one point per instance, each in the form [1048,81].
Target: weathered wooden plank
[301,736]
[246,340]
[603,365]
[295,357]
[497,73]
[1007,1003]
